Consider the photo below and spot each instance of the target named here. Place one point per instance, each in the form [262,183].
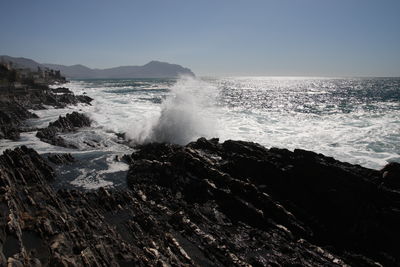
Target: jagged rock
[121,135]
[84,99]
[391,175]
[12,115]
[9,132]
[61,158]
[330,204]
[15,102]
[61,90]
[70,123]
[39,95]
[68,99]
[96,228]
[204,204]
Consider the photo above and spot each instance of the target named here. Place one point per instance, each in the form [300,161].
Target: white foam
[362,137]
[185,115]
[114,166]
[92,178]
[30,140]
[253,109]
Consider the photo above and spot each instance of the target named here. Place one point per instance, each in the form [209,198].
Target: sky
[211,37]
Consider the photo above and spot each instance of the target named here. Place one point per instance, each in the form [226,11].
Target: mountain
[153,69]
[21,62]
[75,71]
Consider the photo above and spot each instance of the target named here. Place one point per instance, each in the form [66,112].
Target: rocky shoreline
[64,124]
[207,203]
[19,92]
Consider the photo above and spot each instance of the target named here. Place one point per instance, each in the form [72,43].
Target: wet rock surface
[204,204]
[12,116]
[341,207]
[23,89]
[60,159]
[38,96]
[15,102]
[64,124]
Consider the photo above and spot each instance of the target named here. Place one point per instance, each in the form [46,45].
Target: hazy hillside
[21,62]
[153,69]
[75,71]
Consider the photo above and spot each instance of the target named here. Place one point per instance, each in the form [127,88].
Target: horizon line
[220,75]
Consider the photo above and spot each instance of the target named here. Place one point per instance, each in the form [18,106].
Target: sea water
[356,120]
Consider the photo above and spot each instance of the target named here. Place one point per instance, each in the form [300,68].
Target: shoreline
[207,203]
[361,138]
[199,205]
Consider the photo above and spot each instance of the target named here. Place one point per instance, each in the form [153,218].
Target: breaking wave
[186,114]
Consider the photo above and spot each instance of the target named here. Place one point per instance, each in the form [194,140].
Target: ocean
[356,120]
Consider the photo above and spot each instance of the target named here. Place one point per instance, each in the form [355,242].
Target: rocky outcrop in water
[65,96]
[20,92]
[205,204]
[70,123]
[38,96]
[12,116]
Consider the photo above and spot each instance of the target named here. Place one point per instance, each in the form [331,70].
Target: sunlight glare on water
[352,119]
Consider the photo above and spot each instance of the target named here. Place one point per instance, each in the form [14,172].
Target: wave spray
[186,114]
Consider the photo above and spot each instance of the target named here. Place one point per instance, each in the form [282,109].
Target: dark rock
[70,123]
[15,102]
[391,175]
[96,228]
[330,204]
[120,135]
[61,158]
[211,145]
[40,227]
[12,116]
[204,204]
[127,158]
[84,99]
[36,97]
[61,90]
[9,132]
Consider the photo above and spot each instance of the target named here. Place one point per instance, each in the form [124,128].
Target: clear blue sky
[212,37]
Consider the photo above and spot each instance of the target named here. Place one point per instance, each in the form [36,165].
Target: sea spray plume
[186,114]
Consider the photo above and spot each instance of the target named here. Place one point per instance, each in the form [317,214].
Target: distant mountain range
[153,69]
